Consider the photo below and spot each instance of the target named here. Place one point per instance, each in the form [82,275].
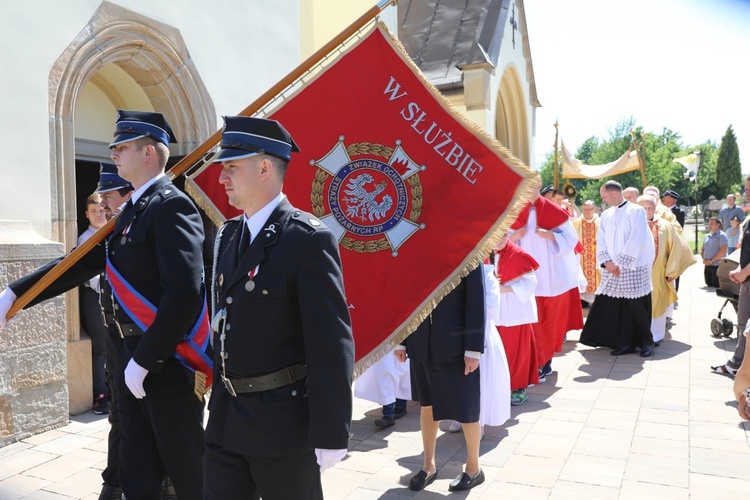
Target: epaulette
[307,219]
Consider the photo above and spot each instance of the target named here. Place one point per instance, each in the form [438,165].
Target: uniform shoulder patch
[307,219]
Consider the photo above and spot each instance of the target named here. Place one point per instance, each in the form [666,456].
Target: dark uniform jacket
[161,257]
[455,326]
[679,215]
[293,312]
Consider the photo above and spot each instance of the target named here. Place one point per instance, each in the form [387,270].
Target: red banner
[416,194]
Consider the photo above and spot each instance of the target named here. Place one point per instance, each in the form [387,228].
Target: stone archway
[156,56]
[511,121]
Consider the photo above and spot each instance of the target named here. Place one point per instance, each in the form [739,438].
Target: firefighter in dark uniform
[281,404]
[156,251]
[115,192]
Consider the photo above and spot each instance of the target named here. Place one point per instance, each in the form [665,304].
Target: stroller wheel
[717,329]
[728,327]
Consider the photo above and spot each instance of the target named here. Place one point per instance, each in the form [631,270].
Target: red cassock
[560,313]
[520,344]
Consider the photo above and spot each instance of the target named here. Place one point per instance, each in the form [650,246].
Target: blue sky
[683,65]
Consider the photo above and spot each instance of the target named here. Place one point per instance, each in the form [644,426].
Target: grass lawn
[691,243]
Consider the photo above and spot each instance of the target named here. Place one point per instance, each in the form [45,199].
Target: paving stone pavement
[600,427]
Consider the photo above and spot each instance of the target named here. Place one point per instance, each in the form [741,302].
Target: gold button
[230,300]
[265,292]
[228,327]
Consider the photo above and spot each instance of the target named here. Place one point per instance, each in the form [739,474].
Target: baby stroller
[728,290]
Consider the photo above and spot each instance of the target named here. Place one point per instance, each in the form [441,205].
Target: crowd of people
[281,364]
[624,264]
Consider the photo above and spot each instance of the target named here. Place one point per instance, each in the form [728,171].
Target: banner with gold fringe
[416,194]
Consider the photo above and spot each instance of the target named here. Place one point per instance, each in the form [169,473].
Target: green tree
[546,169]
[728,168]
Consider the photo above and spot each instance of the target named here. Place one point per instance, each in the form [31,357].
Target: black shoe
[464,482]
[422,480]
[623,350]
[400,412]
[385,422]
[647,351]
[110,492]
[101,405]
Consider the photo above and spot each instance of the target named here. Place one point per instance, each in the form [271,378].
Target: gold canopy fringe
[522,195]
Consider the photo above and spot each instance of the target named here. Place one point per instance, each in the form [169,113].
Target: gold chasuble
[587,231]
[662,212]
[673,257]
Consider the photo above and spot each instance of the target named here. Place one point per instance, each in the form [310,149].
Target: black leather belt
[273,380]
[129,329]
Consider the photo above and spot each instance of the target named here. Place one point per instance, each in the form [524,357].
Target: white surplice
[624,238]
[494,375]
[558,267]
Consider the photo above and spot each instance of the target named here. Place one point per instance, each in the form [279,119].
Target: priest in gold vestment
[672,257]
[587,226]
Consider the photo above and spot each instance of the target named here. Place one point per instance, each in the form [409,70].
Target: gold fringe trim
[201,199]
[529,183]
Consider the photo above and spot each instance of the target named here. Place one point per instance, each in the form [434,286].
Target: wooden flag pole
[555,165]
[198,153]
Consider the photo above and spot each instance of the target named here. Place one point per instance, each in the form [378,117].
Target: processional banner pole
[557,179]
[700,162]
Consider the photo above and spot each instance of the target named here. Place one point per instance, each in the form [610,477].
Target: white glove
[7,297]
[134,375]
[328,458]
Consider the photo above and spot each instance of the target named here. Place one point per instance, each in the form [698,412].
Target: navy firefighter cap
[132,125]
[108,178]
[673,194]
[245,136]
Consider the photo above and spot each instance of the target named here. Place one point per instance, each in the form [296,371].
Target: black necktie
[244,242]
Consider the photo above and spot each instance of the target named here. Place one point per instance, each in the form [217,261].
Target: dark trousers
[111,474]
[389,410]
[743,313]
[161,435]
[91,313]
[230,476]
[709,274]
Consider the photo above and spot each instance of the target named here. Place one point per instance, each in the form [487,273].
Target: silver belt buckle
[229,386]
[119,329]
